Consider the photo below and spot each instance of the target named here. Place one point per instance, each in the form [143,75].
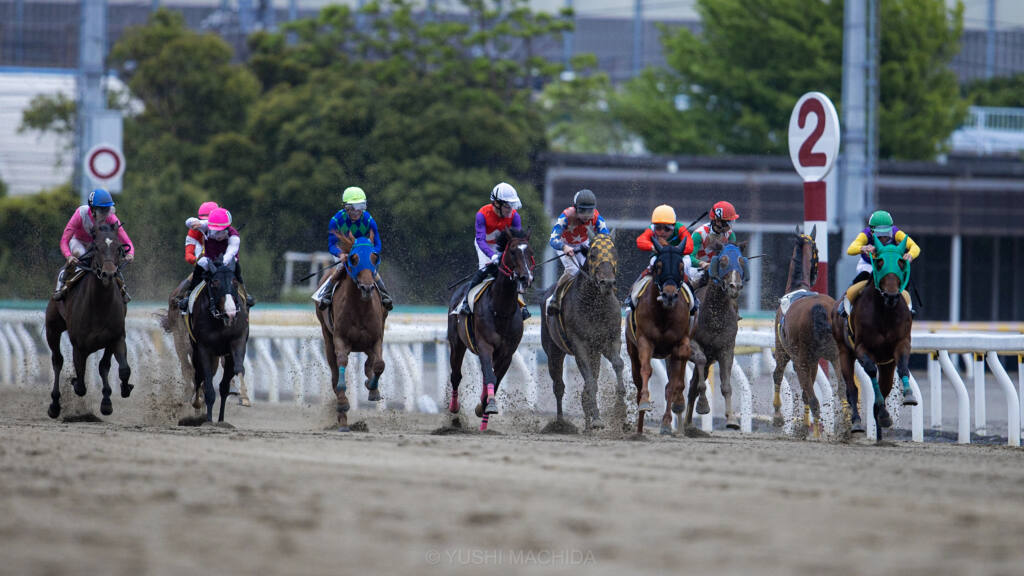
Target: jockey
[351,221]
[220,247]
[76,238]
[666,231]
[195,240]
[718,231]
[879,226]
[571,237]
[491,220]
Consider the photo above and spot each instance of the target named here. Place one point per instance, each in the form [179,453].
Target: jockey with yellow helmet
[351,221]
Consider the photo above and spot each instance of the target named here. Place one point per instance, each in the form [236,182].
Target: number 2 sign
[813,136]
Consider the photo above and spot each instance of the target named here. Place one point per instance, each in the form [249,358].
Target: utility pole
[567,39]
[990,40]
[154,5]
[19,28]
[638,37]
[852,205]
[245,16]
[871,160]
[269,17]
[293,15]
[92,49]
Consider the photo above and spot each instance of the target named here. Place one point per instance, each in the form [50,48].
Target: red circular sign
[104,163]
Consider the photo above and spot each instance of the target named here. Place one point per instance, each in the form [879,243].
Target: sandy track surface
[280,495]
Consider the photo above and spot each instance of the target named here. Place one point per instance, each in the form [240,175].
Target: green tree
[754,58]
[29,249]
[1005,91]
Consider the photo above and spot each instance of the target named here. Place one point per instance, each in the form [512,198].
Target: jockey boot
[62,289]
[385,298]
[526,313]
[124,289]
[325,294]
[477,278]
[249,300]
[844,307]
[554,305]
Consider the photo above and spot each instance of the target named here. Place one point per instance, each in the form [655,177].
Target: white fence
[288,361]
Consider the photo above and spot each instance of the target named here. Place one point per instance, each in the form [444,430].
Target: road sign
[104,163]
[813,136]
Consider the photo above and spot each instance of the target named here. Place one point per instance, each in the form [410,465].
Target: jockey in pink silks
[74,243]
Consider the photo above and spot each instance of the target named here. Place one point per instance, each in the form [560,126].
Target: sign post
[103,164]
[813,148]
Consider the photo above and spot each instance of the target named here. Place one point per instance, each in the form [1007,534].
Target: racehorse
[93,314]
[495,327]
[877,334]
[219,329]
[588,326]
[354,322]
[714,337]
[658,326]
[803,331]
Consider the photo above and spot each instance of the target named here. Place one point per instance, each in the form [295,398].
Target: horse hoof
[343,408]
[884,420]
[233,391]
[644,406]
[666,430]
[702,405]
[106,408]
[78,386]
[374,395]
[53,411]
[126,390]
[678,408]
[778,421]
[453,406]
[492,407]
[344,429]
[909,399]
[479,410]
[694,432]
[244,401]
[596,424]
[732,424]
[857,426]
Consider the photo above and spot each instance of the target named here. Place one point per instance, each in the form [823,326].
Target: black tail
[822,326]
[164,320]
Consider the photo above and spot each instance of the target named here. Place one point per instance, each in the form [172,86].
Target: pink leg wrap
[490,391]
[483,422]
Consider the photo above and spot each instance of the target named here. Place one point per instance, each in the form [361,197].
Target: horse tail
[821,323]
[165,321]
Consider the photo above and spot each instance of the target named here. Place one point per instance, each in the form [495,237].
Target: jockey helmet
[584,200]
[100,198]
[880,223]
[663,214]
[353,195]
[724,211]
[504,192]
[220,219]
[205,208]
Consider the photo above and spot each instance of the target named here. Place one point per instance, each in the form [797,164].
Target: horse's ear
[814,232]
[798,231]
[742,245]
[903,243]
[878,244]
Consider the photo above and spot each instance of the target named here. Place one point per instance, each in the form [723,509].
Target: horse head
[602,262]
[803,268]
[517,261]
[668,273]
[362,266]
[889,271]
[220,283]
[107,252]
[728,270]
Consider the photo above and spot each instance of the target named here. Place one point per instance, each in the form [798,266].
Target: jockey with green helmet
[880,226]
[352,221]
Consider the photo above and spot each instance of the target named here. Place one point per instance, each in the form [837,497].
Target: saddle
[191,302]
[785,302]
[640,287]
[476,292]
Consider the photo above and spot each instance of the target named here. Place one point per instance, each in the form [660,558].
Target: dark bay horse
[93,313]
[658,326]
[219,328]
[717,323]
[803,331]
[588,326]
[495,327]
[878,334]
[354,323]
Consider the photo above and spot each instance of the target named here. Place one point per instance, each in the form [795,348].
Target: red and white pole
[813,148]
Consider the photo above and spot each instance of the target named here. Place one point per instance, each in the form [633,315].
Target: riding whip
[311,274]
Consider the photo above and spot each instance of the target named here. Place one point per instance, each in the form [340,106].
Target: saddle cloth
[640,286]
[787,300]
[477,291]
[195,295]
[558,295]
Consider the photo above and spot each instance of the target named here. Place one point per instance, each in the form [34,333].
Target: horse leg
[671,392]
[643,395]
[57,362]
[614,355]
[781,359]
[589,363]
[850,388]
[903,367]
[725,367]
[700,364]
[78,358]
[124,371]
[341,352]
[638,382]
[104,368]
[556,364]
[885,382]
[225,384]
[207,367]
[197,382]
[457,352]
[487,405]
[332,360]
[372,369]
[810,399]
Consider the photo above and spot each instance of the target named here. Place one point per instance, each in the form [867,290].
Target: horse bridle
[507,271]
[675,275]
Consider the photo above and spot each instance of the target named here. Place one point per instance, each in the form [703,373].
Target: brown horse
[658,326]
[93,313]
[878,335]
[354,322]
[803,332]
[495,327]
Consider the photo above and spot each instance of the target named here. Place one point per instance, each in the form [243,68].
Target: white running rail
[286,363]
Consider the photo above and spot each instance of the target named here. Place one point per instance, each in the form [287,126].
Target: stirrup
[526,313]
[183,304]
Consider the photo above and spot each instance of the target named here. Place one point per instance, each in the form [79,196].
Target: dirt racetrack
[279,494]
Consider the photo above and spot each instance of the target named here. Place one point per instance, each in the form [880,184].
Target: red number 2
[807,155]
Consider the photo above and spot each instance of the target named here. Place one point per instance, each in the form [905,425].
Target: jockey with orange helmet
[666,231]
[220,248]
[491,220]
[78,235]
[718,231]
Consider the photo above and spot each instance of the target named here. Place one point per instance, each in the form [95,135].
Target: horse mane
[798,276]
[509,234]
[345,241]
